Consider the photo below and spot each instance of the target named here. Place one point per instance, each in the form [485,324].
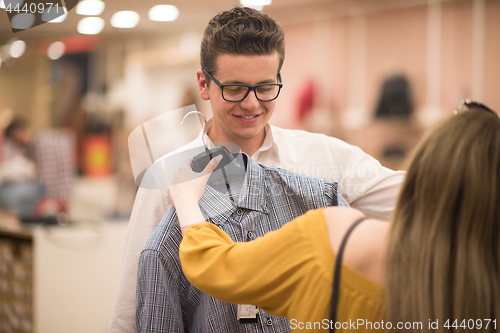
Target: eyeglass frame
[467,103]
[222,85]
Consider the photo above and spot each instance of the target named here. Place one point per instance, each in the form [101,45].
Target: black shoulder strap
[336,276]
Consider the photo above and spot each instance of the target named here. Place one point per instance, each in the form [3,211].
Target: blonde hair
[443,259]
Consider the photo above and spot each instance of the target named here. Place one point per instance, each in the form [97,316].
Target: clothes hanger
[200,161]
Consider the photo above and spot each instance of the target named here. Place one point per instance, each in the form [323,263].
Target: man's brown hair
[241,31]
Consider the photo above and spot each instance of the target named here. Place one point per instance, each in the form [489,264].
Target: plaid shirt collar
[218,207]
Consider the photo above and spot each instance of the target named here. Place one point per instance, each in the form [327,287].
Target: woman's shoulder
[342,214]
[365,250]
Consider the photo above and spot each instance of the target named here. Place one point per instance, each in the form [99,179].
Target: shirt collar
[218,206]
[253,191]
[268,140]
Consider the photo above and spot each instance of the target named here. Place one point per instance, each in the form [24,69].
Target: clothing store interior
[77,90]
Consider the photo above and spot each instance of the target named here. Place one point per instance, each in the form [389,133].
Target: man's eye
[235,89]
[265,89]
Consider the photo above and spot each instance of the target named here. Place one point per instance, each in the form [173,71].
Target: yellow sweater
[288,272]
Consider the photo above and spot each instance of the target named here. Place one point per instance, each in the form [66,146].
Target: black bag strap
[336,275]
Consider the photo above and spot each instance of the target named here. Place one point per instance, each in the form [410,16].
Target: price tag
[247,313]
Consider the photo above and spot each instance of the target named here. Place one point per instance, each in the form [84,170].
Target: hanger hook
[204,126]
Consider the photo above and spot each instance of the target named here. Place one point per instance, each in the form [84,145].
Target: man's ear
[202,85]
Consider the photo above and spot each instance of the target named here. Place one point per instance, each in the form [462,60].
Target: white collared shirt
[363,182]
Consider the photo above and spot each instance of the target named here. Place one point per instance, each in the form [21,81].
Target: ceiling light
[125,19]
[251,3]
[164,13]
[55,50]
[54,16]
[17,48]
[22,21]
[90,7]
[90,25]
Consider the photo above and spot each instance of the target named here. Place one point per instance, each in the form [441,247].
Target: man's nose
[250,102]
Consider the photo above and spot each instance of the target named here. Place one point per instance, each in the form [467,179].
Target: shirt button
[264,209]
[269,322]
[239,212]
[249,235]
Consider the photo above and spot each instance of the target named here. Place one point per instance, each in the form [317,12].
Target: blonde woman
[434,268]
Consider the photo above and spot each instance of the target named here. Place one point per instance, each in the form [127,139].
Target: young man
[242,52]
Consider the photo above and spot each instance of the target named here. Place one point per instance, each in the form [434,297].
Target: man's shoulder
[284,136]
[293,133]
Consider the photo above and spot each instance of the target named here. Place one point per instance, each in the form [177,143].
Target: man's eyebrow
[261,82]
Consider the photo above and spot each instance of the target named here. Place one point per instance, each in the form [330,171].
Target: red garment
[306,100]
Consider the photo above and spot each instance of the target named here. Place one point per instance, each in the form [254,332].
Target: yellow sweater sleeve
[273,272]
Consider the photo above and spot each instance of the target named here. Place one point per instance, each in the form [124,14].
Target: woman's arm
[272,272]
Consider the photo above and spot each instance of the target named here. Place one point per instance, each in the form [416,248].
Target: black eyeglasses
[467,104]
[265,92]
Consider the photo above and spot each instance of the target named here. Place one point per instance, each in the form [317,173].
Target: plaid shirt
[269,198]
[54,152]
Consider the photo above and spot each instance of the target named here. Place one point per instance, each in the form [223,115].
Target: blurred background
[375,73]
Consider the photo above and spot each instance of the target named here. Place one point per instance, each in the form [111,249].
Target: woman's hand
[187,189]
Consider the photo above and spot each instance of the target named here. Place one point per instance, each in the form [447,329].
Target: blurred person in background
[36,171]
[20,190]
[242,53]
[436,266]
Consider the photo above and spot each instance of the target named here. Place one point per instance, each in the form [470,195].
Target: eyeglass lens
[266,92]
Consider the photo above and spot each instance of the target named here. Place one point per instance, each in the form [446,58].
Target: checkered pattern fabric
[54,153]
[268,199]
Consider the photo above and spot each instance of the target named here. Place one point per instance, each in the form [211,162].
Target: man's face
[240,122]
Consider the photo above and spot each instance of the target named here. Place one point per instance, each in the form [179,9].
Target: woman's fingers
[189,185]
[214,162]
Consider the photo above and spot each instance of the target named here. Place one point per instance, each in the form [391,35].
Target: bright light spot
[2,4]
[164,13]
[55,50]
[17,48]
[90,25]
[90,7]
[22,21]
[53,15]
[125,19]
